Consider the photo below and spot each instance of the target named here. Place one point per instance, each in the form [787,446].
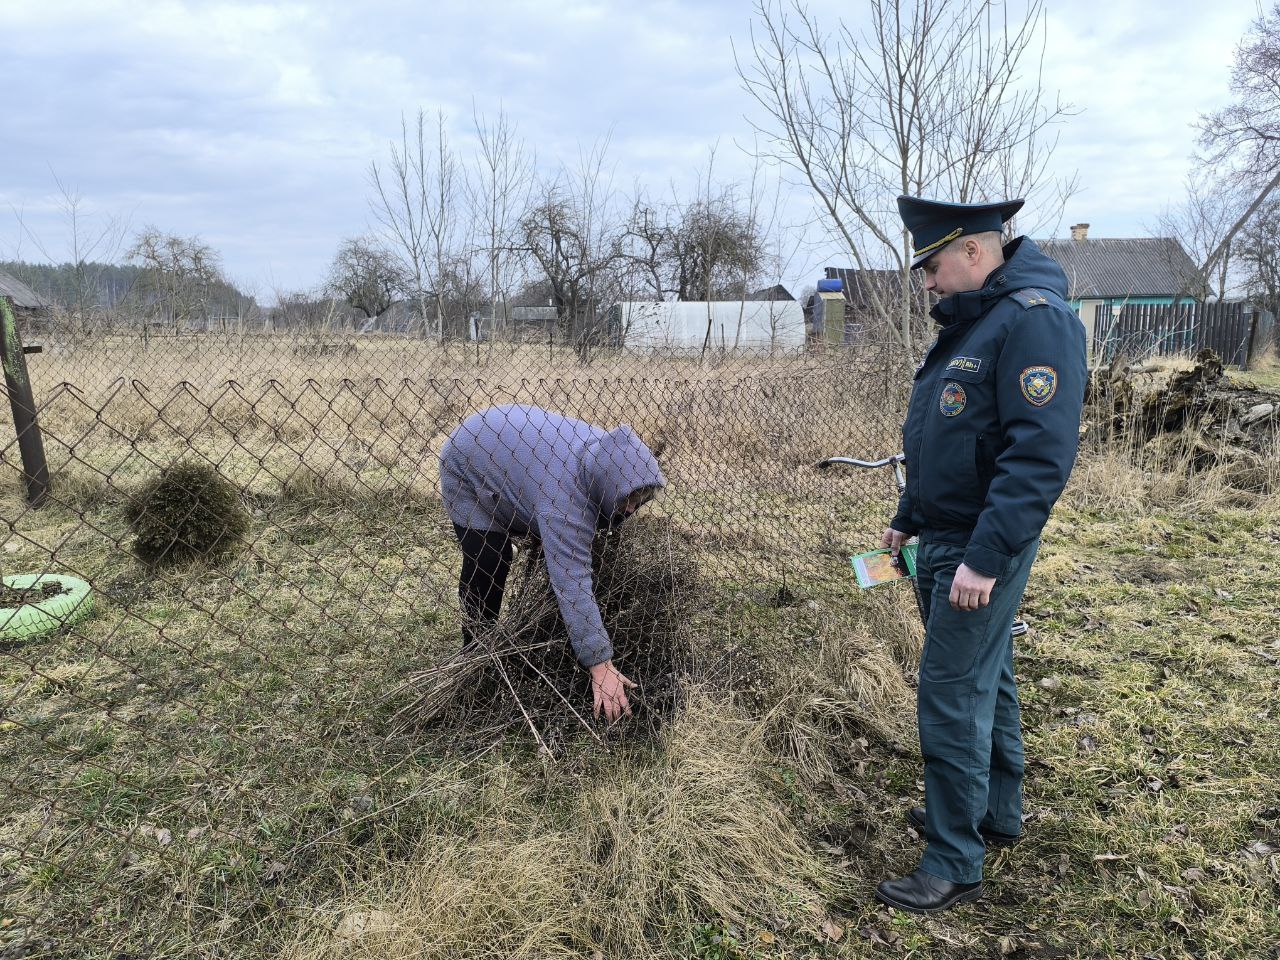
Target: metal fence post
[35,470]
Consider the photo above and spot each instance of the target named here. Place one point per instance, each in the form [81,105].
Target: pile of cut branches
[520,671]
[1199,418]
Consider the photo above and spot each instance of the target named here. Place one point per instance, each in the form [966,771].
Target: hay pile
[521,672]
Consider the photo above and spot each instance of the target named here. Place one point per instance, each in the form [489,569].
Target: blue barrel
[830,286]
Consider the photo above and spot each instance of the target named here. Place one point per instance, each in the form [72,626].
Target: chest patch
[1039,384]
[967,364]
[953,399]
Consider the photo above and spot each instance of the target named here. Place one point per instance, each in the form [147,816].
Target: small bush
[187,513]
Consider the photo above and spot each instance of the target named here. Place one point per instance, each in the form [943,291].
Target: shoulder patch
[1039,384]
[1030,297]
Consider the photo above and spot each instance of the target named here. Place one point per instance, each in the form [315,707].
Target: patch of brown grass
[625,862]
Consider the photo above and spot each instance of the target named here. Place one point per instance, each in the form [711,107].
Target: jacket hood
[1024,266]
[617,464]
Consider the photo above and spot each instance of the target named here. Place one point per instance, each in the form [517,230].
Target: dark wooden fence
[1238,332]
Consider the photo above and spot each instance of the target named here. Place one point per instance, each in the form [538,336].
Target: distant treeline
[68,284]
[108,286]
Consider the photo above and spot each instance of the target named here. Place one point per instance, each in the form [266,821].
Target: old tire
[35,619]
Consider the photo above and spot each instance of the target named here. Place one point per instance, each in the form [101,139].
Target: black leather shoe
[915,817]
[922,892]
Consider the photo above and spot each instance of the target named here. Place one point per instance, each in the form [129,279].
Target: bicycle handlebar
[866,464]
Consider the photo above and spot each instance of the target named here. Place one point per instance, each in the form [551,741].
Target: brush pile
[1199,417]
[521,672]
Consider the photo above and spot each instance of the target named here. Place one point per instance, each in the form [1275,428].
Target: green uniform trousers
[967,709]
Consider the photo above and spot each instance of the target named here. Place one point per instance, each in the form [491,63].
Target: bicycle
[897,460]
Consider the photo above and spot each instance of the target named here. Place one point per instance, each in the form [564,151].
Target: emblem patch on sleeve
[953,399]
[1039,384]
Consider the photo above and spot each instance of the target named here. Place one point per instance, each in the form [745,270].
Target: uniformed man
[990,439]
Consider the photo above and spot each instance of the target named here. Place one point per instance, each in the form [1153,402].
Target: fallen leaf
[1193,874]
[1259,849]
[880,938]
[163,836]
[832,930]
[273,870]
[764,936]
[1086,744]
[195,833]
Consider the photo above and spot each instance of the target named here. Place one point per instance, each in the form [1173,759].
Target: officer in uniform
[990,439]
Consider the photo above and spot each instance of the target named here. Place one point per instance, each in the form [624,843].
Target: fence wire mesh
[176,755]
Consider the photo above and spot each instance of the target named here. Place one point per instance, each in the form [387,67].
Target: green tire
[36,619]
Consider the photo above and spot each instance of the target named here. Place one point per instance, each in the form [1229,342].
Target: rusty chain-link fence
[176,762]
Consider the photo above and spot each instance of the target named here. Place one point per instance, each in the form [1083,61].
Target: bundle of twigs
[520,671]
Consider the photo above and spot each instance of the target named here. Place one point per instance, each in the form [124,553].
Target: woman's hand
[609,691]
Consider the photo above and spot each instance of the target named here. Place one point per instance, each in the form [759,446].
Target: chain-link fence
[176,755]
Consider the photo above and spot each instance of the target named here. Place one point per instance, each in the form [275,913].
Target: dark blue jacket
[994,422]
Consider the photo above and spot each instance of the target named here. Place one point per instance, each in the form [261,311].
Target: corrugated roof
[19,294]
[1136,267]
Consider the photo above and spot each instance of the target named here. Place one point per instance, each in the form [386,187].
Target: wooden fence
[1238,332]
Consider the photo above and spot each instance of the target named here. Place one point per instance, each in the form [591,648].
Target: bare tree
[499,191]
[367,276]
[1242,140]
[1258,259]
[92,241]
[943,97]
[1199,223]
[575,234]
[181,277]
[414,202]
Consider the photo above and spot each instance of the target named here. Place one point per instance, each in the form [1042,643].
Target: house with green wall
[1116,272]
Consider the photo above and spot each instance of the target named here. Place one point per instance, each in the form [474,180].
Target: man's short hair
[992,240]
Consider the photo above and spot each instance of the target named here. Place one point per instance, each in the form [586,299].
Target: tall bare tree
[414,202]
[91,242]
[1199,222]
[1242,140]
[933,97]
[500,185]
[1258,257]
[574,231]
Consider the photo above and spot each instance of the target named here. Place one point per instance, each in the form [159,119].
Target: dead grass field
[202,769]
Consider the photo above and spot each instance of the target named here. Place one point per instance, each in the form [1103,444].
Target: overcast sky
[253,124]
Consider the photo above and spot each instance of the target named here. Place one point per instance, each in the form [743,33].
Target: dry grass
[626,861]
[203,769]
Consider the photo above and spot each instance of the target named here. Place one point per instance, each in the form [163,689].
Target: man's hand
[609,691]
[970,589]
[894,539]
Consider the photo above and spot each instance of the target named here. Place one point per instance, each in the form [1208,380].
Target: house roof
[1134,267]
[858,283]
[19,294]
[776,292]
